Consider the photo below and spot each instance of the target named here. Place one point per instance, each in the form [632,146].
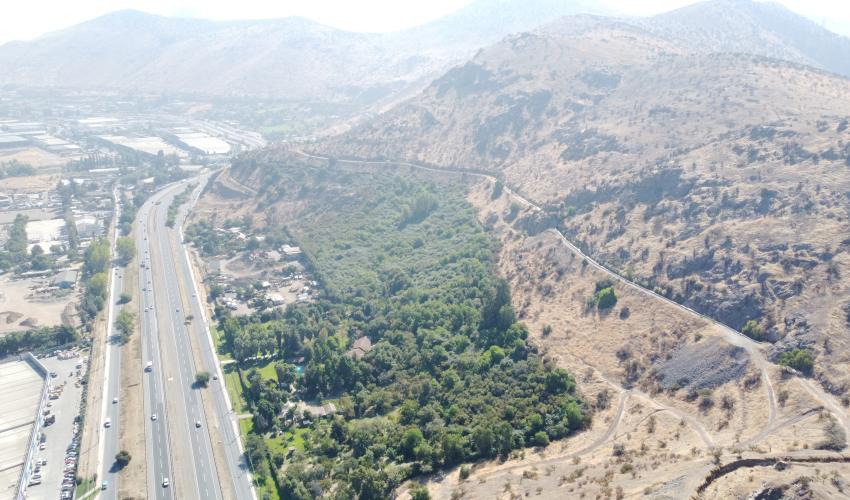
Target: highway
[182,433]
[157,446]
[223,419]
[108,443]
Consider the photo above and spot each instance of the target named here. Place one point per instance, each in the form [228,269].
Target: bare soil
[134,476]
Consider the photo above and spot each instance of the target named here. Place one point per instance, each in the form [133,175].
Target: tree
[124,298]
[753,329]
[256,451]
[419,492]
[410,440]
[122,458]
[96,257]
[453,449]
[126,249]
[292,488]
[483,439]
[497,189]
[606,298]
[202,378]
[798,359]
[16,243]
[540,438]
[124,324]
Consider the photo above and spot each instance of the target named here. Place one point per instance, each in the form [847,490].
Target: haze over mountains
[290,58]
[297,59]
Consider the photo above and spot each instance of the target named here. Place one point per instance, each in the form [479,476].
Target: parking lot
[61,438]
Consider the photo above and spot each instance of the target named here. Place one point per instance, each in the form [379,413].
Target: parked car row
[69,478]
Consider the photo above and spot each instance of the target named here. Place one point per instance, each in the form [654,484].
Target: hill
[764,28]
[718,179]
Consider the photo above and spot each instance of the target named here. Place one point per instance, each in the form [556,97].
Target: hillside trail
[732,336]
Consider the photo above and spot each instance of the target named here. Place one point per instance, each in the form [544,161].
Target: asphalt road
[111,384]
[224,419]
[157,446]
[178,447]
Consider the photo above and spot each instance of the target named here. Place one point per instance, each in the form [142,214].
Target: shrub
[419,492]
[753,329]
[606,298]
[122,458]
[540,439]
[202,378]
[798,359]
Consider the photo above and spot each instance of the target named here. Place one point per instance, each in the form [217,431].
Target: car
[42,446]
[215,377]
[103,485]
[149,366]
[107,423]
[153,416]
[165,482]
[114,400]
[197,423]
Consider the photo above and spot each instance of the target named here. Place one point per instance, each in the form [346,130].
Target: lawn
[282,443]
[234,388]
[223,355]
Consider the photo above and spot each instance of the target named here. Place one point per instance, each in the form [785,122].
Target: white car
[165,482]
[107,423]
[153,417]
[114,400]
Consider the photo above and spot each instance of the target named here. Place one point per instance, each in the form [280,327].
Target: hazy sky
[27,19]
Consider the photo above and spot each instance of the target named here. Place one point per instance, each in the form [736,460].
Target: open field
[21,309]
[33,156]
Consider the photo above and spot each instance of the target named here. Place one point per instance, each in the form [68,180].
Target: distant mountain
[131,50]
[288,58]
[747,26]
[484,22]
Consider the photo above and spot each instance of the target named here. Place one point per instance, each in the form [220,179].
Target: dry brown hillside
[720,180]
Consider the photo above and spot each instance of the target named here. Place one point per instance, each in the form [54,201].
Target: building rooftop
[20,392]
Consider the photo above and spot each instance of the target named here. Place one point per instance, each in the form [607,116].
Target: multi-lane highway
[111,383]
[180,439]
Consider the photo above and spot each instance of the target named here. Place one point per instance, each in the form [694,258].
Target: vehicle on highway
[114,400]
[153,417]
[107,423]
[104,485]
[197,423]
[149,366]
[165,482]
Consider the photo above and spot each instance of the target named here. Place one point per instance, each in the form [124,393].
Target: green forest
[450,377]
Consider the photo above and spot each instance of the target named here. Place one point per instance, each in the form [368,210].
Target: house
[276,298]
[290,251]
[65,279]
[361,346]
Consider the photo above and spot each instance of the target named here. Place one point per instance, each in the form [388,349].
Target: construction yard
[32,303]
